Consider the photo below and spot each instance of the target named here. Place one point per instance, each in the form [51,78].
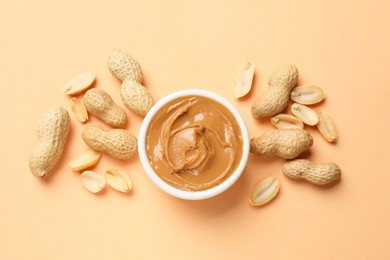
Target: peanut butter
[194,143]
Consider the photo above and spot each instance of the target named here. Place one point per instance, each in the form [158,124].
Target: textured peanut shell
[285,143]
[123,66]
[319,174]
[118,143]
[135,97]
[274,100]
[99,103]
[52,134]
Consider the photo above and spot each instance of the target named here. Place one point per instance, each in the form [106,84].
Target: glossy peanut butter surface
[194,143]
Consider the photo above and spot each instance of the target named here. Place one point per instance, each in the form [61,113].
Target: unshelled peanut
[118,143]
[52,134]
[320,174]
[274,100]
[285,143]
[134,95]
[99,103]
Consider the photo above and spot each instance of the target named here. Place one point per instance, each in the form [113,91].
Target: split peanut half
[85,160]
[118,179]
[92,181]
[78,108]
[79,83]
[326,127]
[264,191]
[244,80]
[286,121]
[307,94]
[306,114]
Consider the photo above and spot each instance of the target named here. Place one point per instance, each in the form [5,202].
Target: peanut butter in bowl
[193,144]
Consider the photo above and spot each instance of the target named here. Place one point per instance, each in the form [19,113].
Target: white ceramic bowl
[192,195]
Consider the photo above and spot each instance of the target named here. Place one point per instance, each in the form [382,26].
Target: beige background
[342,46]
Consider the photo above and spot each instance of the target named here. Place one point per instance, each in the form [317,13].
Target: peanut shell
[135,97]
[52,135]
[319,174]
[285,143]
[119,143]
[99,103]
[123,66]
[274,100]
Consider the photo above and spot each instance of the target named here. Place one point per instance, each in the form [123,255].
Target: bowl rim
[176,192]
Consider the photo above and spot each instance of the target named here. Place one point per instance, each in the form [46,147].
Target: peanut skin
[52,134]
[285,143]
[99,103]
[275,99]
[118,143]
[320,174]
[134,95]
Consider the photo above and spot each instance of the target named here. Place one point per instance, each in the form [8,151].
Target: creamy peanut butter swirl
[194,143]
